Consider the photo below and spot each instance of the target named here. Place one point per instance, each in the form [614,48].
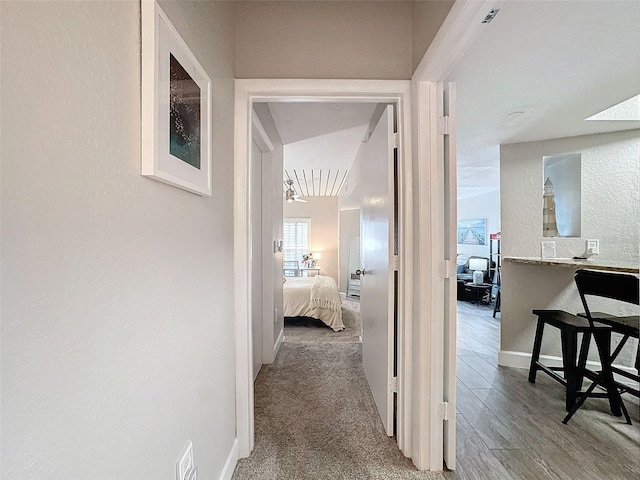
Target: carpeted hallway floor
[314,413]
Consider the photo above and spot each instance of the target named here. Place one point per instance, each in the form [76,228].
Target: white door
[377,279]
[255,198]
[446,95]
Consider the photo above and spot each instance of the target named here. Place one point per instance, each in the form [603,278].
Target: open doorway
[336,158]
[387,92]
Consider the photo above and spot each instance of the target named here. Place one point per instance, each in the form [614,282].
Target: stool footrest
[551,371]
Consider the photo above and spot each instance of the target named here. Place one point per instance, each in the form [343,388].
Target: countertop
[594,264]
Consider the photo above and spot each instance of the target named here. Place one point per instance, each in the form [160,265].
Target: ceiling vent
[491,15]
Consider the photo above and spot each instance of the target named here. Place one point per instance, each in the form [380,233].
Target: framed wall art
[472,232]
[176,107]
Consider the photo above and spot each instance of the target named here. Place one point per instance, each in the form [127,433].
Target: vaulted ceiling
[321,141]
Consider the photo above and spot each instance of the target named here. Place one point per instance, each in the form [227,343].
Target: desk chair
[618,287]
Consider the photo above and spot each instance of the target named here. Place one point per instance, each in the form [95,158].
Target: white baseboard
[508,358]
[278,343]
[230,464]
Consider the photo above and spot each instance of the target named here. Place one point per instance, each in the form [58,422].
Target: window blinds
[296,239]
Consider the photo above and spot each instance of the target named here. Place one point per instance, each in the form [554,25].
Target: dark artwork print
[184,115]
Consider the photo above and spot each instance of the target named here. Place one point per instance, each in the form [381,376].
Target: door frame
[460,28]
[422,206]
[247,92]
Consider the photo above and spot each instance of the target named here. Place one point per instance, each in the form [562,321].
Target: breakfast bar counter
[589,264]
[534,283]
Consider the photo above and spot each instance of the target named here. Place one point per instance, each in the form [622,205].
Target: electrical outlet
[593,247]
[186,468]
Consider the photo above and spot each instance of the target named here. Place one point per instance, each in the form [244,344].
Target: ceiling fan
[290,194]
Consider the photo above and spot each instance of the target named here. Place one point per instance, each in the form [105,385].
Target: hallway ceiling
[557,62]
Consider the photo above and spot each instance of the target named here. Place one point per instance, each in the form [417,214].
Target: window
[295,241]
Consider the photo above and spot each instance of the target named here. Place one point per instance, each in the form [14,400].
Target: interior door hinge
[447,269]
[394,384]
[396,140]
[445,125]
[445,410]
[395,263]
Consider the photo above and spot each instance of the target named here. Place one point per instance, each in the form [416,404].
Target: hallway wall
[357,39]
[117,292]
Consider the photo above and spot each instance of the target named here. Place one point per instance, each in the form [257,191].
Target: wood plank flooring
[511,429]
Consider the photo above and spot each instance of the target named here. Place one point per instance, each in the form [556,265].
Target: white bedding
[302,299]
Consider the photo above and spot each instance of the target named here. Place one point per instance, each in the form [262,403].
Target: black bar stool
[570,326]
[619,287]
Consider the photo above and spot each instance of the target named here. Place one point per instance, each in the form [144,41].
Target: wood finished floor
[508,428]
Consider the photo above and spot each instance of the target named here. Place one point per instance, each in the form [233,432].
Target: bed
[315,297]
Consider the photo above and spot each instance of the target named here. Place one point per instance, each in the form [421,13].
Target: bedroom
[313,149]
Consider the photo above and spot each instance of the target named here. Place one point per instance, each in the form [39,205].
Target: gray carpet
[314,413]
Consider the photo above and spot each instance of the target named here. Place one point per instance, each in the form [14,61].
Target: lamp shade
[317,255]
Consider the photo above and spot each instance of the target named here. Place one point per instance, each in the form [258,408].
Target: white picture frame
[176,107]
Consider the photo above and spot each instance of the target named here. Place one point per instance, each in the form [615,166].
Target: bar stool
[570,326]
[618,287]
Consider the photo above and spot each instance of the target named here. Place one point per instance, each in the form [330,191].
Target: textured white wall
[323,212]
[358,39]
[610,213]
[117,339]
[486,206]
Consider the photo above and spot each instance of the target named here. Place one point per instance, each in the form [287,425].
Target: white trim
[260,135]
[462,25]
[278,344]
[508,358]
[450,307]
[242,297]
[460,28]
[230,464]
[247,92]
[429,323]
[405,276]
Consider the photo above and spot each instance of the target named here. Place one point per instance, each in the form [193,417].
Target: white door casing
[462,25]
[446,134]
[370,91]
[420,309]
[377,282]
[256,258]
